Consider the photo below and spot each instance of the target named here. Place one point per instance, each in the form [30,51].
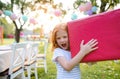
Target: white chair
[16,67]
[30,62]
[41,56]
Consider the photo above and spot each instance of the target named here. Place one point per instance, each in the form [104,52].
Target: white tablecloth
[5,54]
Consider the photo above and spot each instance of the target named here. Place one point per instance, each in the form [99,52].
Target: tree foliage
[22,7]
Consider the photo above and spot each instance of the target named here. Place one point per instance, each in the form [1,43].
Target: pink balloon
[33,21]
[13,17]
[57,12]
[21,34]
[85,7]
[88,6]
[82,8]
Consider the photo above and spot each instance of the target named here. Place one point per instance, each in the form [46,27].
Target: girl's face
[62,39]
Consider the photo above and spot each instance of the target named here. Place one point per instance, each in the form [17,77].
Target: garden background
[23,17]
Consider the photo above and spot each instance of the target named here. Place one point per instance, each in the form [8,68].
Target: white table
[5,54]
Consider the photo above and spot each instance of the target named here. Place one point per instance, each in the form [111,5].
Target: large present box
[105,27]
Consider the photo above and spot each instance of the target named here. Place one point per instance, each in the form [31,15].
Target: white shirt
[61,72]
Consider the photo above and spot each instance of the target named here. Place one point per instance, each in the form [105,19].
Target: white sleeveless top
[61,73]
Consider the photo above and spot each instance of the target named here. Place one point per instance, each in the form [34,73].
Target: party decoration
[33,21]
[89,12]
[74,16]
[82,8]
[87,8]
[24,17]
[94,9]
[105,27]
[57,12]
[13,17]
[7,12]
[21,34]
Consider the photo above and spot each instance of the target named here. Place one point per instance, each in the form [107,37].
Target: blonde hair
[61,26]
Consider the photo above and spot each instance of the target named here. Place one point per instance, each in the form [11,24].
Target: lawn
[100,70]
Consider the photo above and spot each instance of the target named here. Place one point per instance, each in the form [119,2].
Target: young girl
[67,67]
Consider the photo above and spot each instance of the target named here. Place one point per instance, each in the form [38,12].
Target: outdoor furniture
[15,61]
[5,54]
[41,56]
[30,62]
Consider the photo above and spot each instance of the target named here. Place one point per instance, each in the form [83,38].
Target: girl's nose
[62,40]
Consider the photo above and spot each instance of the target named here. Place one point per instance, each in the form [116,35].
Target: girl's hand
[89,46]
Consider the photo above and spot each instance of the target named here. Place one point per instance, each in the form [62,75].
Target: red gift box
[105,27]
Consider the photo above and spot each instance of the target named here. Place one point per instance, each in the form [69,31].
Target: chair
[30,62]
[16,62]
[41,56]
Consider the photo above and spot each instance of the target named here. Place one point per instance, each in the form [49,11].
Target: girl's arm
[84,50]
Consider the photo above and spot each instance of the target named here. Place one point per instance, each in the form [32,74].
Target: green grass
[7,41]
[100,70]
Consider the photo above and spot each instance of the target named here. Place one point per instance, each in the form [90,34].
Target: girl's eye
[64,36]
[58,38]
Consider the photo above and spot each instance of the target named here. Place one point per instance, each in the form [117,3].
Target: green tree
[24,7]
